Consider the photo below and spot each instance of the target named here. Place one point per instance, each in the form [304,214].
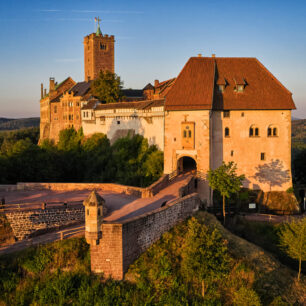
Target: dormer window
[221,83]
[221,87]
[240,84]
[240,88]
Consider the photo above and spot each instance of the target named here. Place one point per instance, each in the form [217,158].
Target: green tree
[293,240]
[107,87]
[205,256]
[97,154]
[225,180]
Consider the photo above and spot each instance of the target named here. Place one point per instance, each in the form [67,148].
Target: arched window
[254,131]
[272,131]
[226,132]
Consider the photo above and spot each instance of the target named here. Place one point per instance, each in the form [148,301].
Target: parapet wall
[32,222]
[123,242]
[129,190]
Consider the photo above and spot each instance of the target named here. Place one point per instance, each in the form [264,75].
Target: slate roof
[132,93]
[196,86]
[80,88]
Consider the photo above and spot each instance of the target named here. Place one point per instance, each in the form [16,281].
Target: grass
[59,273]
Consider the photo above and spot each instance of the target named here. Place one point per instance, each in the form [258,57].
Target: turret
[93,217]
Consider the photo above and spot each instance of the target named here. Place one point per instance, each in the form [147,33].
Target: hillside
[59,273]
[299,131]
[16,124]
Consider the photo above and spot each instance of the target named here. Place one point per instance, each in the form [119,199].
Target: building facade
[217,109]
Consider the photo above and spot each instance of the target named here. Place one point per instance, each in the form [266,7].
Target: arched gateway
[186,164]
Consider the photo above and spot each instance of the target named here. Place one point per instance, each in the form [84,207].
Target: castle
[216,109]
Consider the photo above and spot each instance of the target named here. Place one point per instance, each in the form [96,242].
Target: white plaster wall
[152,129]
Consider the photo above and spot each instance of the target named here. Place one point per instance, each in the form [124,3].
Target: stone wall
[130,190]
[123,242]
[33,222]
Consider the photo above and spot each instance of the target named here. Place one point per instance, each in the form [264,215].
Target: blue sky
[154,39]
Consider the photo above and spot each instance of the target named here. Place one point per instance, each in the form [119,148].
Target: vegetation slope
[16,124]
[59,273]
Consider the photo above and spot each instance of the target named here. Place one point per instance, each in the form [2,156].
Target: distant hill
[299,131]
[16,124]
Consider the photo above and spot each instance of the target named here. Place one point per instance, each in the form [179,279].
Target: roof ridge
[273,77]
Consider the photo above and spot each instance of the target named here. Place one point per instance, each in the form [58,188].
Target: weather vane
[97,19]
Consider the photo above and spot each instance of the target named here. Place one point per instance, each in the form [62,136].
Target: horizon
[45,39]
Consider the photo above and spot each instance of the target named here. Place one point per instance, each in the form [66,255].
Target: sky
[154,39]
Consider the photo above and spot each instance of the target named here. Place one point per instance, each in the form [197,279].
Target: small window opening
[226,132]
[226,114]
[185,133]
[99,212]
[118,122]
[269,132]
[232,153]
[256,132]
[242,114]
[262,156]
[87,212]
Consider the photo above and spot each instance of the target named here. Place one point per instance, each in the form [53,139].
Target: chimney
[213,55]
[45,92]
[52,85]
[41,90]
[156,83]
[200,55]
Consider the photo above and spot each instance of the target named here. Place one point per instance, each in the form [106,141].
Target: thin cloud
[49,11]
[107,12]
[67,60]
[90,11]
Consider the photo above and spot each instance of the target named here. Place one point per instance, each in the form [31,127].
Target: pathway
[120,207]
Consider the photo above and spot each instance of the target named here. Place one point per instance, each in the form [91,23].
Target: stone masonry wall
[123,242]
[31,222]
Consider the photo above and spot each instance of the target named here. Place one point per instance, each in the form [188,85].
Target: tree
[204,254]
[107,87]
[225,180]
[293,240]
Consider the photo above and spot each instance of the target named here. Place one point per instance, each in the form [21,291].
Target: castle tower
[93,218]
[99,54]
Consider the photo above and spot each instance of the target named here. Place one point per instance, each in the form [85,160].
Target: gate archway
[186,164]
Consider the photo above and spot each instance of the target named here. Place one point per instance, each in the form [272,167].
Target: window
[70,117]
[70,104]
[242,114]
[254,131]
[99,212]
[185,133]
[272,131]
[221,87]
[102,46]
[78,104]
[262,156]
[232,153]
[226,114]
[118,122]
[102,120]
[226,132]
[240,88]
[87,212]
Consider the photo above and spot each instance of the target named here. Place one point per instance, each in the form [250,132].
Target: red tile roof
[195,88]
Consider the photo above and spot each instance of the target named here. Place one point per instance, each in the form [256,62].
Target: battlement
[97,37]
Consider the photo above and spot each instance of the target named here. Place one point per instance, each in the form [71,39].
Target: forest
[75,158]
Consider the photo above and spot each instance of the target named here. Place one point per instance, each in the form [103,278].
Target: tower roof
[94,199]
[99,32]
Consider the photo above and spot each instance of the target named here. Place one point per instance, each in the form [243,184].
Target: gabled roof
[61,88]
[262,90]
[194,86]
[163,87]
